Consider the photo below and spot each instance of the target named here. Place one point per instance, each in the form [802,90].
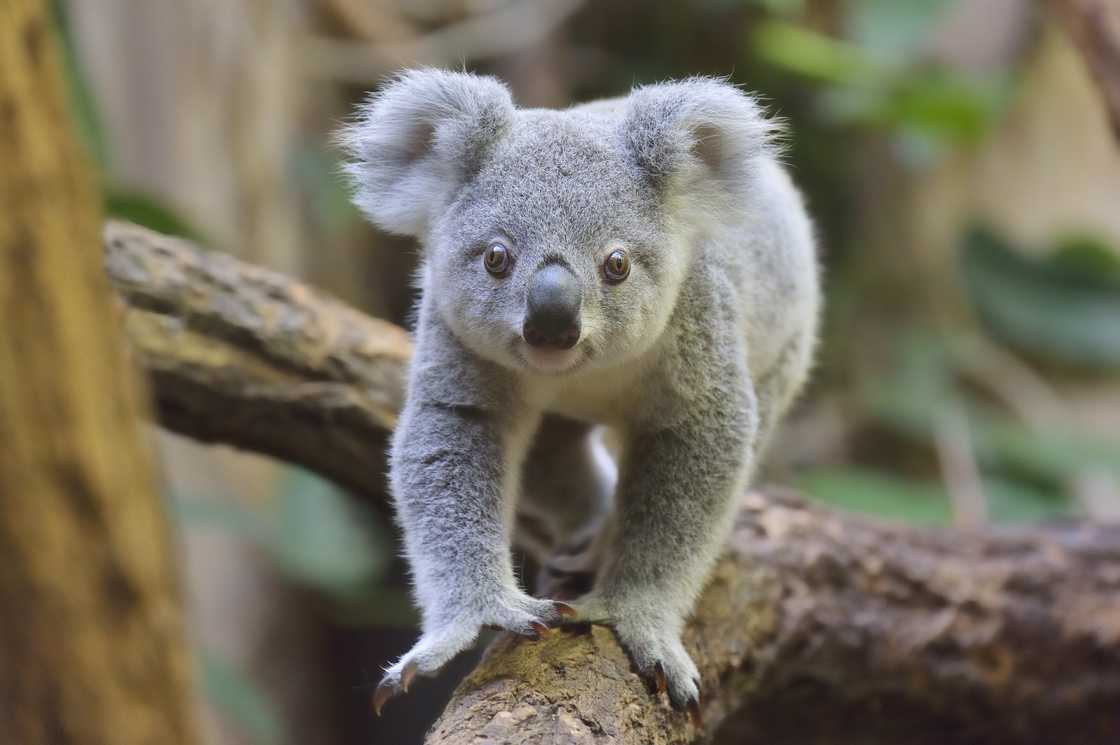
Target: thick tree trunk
[91,647]
[816,627]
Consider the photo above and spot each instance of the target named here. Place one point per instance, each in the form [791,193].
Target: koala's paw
[515,611]
[662,660]
[653,646]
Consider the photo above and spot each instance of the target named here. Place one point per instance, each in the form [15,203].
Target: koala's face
[553,239]
[554,257]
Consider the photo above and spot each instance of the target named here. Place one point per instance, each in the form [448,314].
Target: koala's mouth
[551,361]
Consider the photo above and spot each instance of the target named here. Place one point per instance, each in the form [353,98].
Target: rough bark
[244,356]
[816,626]
[1094,26]
[91,647]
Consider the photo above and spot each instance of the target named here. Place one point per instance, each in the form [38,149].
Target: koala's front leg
[676,502]
[454,466]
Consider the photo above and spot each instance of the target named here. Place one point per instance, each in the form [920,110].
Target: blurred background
[955,153]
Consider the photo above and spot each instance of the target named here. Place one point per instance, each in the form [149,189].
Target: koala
[642,264]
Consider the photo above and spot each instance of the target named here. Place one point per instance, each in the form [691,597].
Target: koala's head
[554,240]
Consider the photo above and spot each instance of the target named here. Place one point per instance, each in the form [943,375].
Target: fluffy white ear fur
[418,140]
[698,128]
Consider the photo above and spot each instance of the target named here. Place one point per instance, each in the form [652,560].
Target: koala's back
[773,257]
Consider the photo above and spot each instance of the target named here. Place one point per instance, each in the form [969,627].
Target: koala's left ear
[418,140]
[697,128]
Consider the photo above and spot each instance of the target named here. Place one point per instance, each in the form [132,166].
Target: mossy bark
[91,644]
[822,628]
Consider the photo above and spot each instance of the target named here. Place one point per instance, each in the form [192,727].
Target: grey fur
[691,360]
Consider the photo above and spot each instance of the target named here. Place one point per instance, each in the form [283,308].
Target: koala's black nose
[553,313]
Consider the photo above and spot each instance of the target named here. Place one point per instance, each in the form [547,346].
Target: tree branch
[818,627]
[879,632]
[1094,26]
[248,357]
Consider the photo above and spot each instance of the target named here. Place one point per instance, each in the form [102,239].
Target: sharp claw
[564,609]
[385,690]
[659,678]
[694,713]
[538,627]
[408,675]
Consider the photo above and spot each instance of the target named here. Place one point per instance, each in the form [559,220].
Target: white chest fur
[612,396]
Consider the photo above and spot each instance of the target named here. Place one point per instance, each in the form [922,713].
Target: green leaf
[929,106]
[936,106]
[814,55]
[1062,315]
[943,105]
[1088,258]
[143,210]
[240,699]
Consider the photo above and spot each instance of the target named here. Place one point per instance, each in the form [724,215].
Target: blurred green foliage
[82,105]
[931,381]
[877,492]
[1064,308]
[318,538]
[923,501]
[877,71]
[322,538]
[892,30]
[879,75]
[318,170]
[1027,473]
[314,532]
[782,7]
[143,210]
[240,699]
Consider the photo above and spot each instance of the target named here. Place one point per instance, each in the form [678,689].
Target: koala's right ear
[702,130]
[418,140]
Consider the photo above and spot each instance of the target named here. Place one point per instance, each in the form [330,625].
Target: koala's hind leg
[567,485]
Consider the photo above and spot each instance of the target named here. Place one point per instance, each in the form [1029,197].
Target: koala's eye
[616,267]
[497,258]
